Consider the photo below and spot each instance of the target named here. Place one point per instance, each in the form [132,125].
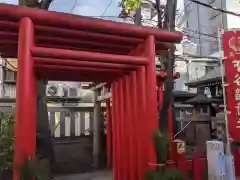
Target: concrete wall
[73,155]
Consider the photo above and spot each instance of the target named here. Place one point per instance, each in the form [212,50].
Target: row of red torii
[64,47]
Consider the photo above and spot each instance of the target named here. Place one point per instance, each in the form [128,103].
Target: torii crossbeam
[65,47]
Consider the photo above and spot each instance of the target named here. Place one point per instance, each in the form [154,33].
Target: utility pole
[159,14]
[169,24]
[138,17]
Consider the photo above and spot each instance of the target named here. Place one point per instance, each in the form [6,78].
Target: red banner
[231,47]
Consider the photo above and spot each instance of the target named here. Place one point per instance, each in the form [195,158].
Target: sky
[94,8]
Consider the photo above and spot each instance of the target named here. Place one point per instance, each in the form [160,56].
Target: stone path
[100,175]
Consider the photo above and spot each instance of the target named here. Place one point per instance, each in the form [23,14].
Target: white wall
[233,21]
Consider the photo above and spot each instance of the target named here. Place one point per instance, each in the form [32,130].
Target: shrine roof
[73,32]
[201,99]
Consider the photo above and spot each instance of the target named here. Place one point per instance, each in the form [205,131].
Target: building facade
[202,24]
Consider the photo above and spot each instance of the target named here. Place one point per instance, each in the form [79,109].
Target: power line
[5,59]
[107,8]
[215,8]
[9,64]
[191,30]
[74,6]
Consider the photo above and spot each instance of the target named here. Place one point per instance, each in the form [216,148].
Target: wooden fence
[70,123]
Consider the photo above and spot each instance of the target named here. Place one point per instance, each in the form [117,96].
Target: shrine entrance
[63,47]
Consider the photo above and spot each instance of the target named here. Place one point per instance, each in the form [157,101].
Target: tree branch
[46,4]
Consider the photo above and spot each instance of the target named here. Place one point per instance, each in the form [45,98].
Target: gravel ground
[100,175]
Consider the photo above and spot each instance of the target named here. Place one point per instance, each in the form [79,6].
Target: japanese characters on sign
[236,64]
[231,47]
[236,81]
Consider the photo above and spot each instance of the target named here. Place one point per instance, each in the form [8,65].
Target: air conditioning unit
[54,90]
[73,92]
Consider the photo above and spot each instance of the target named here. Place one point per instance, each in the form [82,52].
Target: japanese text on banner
[236,81]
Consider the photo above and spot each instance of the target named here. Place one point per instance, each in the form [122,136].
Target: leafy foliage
[161,143]
[173,174]
[168,174]
[44,4]
[130,5]
[29,3]
[6,141]
[33,169]
[38,170]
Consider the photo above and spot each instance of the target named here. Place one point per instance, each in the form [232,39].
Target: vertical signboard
[231,47]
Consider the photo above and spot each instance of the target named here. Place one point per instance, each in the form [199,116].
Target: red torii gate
[66,47]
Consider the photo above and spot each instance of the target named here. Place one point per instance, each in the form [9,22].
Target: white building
[201,24]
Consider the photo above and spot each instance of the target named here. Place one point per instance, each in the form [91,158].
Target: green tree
[162,172]
[42,4]
[131,5]
[6,142]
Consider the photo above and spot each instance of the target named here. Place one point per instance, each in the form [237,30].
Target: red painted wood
[87,56]
[54,75]
[25,127]
[68,21]
[135,124]
[62,62]
[142,122]
[182,165]
[85,50]
[152,112]
[80,69]
[114,130]
[9,31]
[129,127]
[122,130]
[126,130]
[197,167]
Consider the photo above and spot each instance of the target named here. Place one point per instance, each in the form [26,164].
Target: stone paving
[99,175]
